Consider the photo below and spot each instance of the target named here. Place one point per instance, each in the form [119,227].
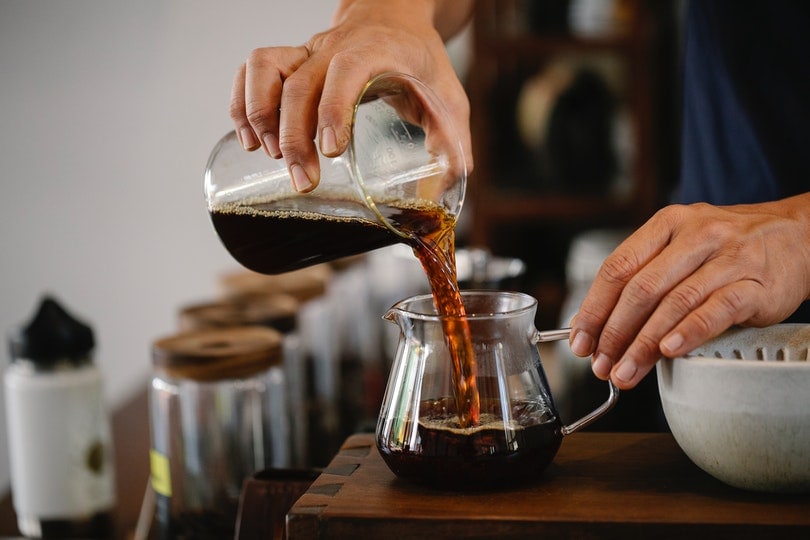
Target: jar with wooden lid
[277,310]
[280,312]
[216,419]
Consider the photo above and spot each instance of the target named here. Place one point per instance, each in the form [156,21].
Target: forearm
[448,17]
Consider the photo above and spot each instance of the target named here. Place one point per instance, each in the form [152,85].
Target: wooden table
[601,485]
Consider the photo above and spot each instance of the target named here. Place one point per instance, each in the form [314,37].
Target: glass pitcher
[404,174]
[518,432]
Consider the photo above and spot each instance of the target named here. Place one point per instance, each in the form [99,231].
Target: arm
[687,275]
[285,97]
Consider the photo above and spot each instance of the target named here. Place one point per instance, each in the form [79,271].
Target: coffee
[495,452]
[271,241]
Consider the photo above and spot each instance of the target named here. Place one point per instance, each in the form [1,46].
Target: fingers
[317,103]
[257,97]
[297,123]
[685,277]
[725,307]
[288,99]
[623,265]
[699,307]
[345,79]
[244,131]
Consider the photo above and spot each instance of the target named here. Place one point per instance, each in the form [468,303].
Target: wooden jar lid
[218,354]
[303,284]
[278,311]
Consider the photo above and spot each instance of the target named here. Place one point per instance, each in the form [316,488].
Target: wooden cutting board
[601,485]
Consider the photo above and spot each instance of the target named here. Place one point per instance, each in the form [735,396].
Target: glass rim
[440,109]
[522,304]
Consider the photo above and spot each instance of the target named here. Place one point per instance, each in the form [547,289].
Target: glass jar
[214,423]
[279,311]
[404,173]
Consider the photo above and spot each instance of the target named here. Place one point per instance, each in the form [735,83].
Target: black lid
[52,335]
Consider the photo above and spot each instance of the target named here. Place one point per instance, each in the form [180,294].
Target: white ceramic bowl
[739,407]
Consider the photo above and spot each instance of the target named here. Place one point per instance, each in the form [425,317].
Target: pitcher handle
[613,397]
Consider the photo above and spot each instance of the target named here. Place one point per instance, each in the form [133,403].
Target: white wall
[107,113]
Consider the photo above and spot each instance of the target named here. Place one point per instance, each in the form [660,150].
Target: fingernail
[328,141]
[300,179]
[626,370]
[248,139]
[582,345]
[671,343]
[271,145]
[601,366]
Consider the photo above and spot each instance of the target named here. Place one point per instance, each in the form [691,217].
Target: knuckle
[672,214]
[588,321]
[297,86]
[684,298]
[618,267]
[290,141]
[261,58]
[258,116]
[732,302]
[587,316]
[237,109]
[716,233]
[330,40]
[669,212]
[643,287]
[612,341]
[701,324]
[345,61]
[646,346]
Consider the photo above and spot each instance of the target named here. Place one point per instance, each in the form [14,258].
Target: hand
[283,97]
[689,274]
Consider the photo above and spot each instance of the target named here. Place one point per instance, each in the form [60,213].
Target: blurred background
[110,109]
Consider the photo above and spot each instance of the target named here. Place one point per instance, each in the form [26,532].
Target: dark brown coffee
[494,453]
[271,241]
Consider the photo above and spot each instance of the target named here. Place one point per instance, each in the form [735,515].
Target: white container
[60,444]
[738,407]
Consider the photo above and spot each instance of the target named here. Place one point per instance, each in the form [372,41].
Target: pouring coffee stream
[438,260]
[399,183]
[402,180]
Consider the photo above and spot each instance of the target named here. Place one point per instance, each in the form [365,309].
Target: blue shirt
[746,101]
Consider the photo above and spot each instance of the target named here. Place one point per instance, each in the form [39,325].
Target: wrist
[374,10]
[447,17]
[798,209]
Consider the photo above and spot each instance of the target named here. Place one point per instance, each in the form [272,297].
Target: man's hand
[283,98]
[689,274]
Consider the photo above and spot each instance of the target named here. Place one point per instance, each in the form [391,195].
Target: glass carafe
[404,174]
[519,430]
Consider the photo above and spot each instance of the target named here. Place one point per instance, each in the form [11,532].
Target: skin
[684,277]
[687,275]
[282,97]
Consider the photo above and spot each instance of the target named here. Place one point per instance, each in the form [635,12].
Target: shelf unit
[517,211]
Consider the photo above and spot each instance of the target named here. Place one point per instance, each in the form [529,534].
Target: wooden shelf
[532,45]
[520,207]
[507,189]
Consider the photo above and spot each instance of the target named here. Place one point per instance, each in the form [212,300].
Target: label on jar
[161,476]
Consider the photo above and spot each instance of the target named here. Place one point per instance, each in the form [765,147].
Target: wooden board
[601,485]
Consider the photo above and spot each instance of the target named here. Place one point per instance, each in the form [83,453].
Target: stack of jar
[228,400]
